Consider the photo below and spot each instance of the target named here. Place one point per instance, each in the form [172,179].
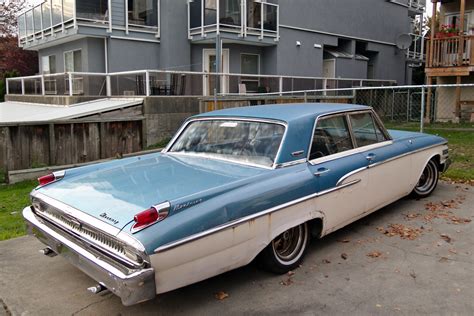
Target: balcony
[238,20]
[416,7]
[450,56]
[57,19]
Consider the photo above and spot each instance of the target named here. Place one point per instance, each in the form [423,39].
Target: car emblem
[110,219]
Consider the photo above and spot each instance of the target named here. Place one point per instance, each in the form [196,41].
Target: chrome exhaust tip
[48,252]
[96,289]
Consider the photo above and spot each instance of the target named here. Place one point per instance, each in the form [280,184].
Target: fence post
[422,115]
[7,90]
[147,83]
[108,86]
[280,85]
[22,86]
[70,84]
[215,99]
[43,92]
[305,96]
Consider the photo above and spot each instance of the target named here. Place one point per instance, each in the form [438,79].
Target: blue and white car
[232,186]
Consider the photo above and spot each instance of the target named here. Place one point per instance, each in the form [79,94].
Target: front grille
[83,230]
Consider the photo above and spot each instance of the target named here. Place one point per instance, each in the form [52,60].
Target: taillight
[44,180]
[150,216]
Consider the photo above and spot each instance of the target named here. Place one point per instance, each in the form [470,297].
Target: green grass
[13,198]
[460,143]
[161,144]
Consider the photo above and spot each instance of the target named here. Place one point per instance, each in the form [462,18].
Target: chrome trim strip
[236,222]
[230,118]
[250,217]
[220,159]
[86,218]
[291,163]
[344,177]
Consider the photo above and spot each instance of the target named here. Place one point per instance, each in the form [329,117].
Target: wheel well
[316,227]
[437,160]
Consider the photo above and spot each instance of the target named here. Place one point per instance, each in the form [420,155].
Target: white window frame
[72,51]
[49,64]
[244,79]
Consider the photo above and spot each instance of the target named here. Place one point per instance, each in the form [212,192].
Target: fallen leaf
[221,295]
[446,238]
[453,251]
[443,259]
[378,305]
[286,282]
[374,254]
[344,256]
[326,261]
[413,275]
[290,273]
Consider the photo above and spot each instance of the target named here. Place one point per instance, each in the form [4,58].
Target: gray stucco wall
[132,55]
[92,51]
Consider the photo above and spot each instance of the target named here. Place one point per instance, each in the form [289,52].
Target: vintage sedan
[232,186]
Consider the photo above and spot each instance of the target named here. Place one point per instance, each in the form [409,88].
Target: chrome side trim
[250,217]
[291,163]
[344,177]
[231,118]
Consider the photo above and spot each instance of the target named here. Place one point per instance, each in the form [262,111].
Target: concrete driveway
[410,257]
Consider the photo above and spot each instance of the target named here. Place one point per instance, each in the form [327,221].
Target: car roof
[285,112]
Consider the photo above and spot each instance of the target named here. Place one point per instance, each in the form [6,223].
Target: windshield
[240,141]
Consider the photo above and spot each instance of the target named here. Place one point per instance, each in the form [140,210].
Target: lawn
[13,198]
[461,147]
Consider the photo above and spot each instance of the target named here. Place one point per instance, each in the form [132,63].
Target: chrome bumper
[132,288]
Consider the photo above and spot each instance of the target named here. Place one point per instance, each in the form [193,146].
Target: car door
[340,172]
[388,170]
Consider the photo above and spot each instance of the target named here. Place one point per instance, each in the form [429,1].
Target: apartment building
[450,60]
[316,38]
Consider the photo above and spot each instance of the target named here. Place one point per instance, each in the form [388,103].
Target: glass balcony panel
[46,10]
[21,26]
[92,10]
[270,17]
[57,8]
[210,12]
[254,14]
[143,13]
[37,19]
[230,12]
[195,14]
[29,23]
[68,8]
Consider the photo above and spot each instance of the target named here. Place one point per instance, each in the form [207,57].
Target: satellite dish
[403,41]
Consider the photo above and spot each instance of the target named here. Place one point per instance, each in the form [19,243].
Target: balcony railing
[455,51]
[241,17]
[418,5]
[56,16]
[171,83]
[416,52]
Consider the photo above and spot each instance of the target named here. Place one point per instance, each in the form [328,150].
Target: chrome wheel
[289,246]
[428,180]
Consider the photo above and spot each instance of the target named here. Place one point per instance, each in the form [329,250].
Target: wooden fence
[32,145]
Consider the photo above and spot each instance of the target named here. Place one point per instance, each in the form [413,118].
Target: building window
[48,64]
[250,64]
[73,61]
[95,10]
[143,13]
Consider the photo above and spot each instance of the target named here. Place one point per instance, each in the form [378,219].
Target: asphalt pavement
[412,257]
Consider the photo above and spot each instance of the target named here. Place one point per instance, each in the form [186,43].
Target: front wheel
[428,180]
[286,251]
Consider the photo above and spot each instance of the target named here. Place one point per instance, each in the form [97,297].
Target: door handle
[321,171]
[370,157]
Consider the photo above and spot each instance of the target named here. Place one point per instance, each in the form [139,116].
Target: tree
[14,59]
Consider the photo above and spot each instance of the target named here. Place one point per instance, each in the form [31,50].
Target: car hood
[115,191]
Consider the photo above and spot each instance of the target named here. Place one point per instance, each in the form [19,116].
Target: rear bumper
[132,288]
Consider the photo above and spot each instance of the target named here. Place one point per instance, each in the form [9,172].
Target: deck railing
[173,83]
[454,51]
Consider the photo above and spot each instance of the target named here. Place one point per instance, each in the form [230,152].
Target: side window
[366,132]
[331,136]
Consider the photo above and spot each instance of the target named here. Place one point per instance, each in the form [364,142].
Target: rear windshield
[247,142]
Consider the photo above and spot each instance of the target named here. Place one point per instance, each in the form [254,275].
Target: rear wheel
[286,251]
[428,180]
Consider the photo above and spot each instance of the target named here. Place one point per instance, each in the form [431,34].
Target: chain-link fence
[416,106]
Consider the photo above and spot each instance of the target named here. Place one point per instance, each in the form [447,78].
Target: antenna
[403,41]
